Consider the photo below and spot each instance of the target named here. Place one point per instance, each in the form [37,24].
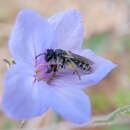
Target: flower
[27,93]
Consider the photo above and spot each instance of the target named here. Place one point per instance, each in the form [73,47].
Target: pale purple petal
[102,67]
[24,99]
[71,103]
[31,35]
[69,29]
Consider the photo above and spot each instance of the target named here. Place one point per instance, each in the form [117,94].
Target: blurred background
[107,31]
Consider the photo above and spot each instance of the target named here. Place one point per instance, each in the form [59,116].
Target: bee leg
[54,70]
[49,70]
[77,74]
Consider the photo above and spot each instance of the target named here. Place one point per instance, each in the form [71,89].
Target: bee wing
[81,58]
[68,56]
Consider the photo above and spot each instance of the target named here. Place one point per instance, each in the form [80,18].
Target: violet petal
[69,29]
[71,103]
[31,35]
[102,68]
[24,99]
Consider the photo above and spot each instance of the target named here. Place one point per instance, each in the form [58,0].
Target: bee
[59,59]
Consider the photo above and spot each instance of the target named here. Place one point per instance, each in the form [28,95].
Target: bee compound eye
[49,55]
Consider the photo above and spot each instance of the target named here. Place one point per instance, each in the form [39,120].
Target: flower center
[43,69]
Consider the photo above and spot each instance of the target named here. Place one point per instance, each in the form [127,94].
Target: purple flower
[27,93]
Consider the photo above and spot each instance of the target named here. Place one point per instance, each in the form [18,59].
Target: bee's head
[49,55]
